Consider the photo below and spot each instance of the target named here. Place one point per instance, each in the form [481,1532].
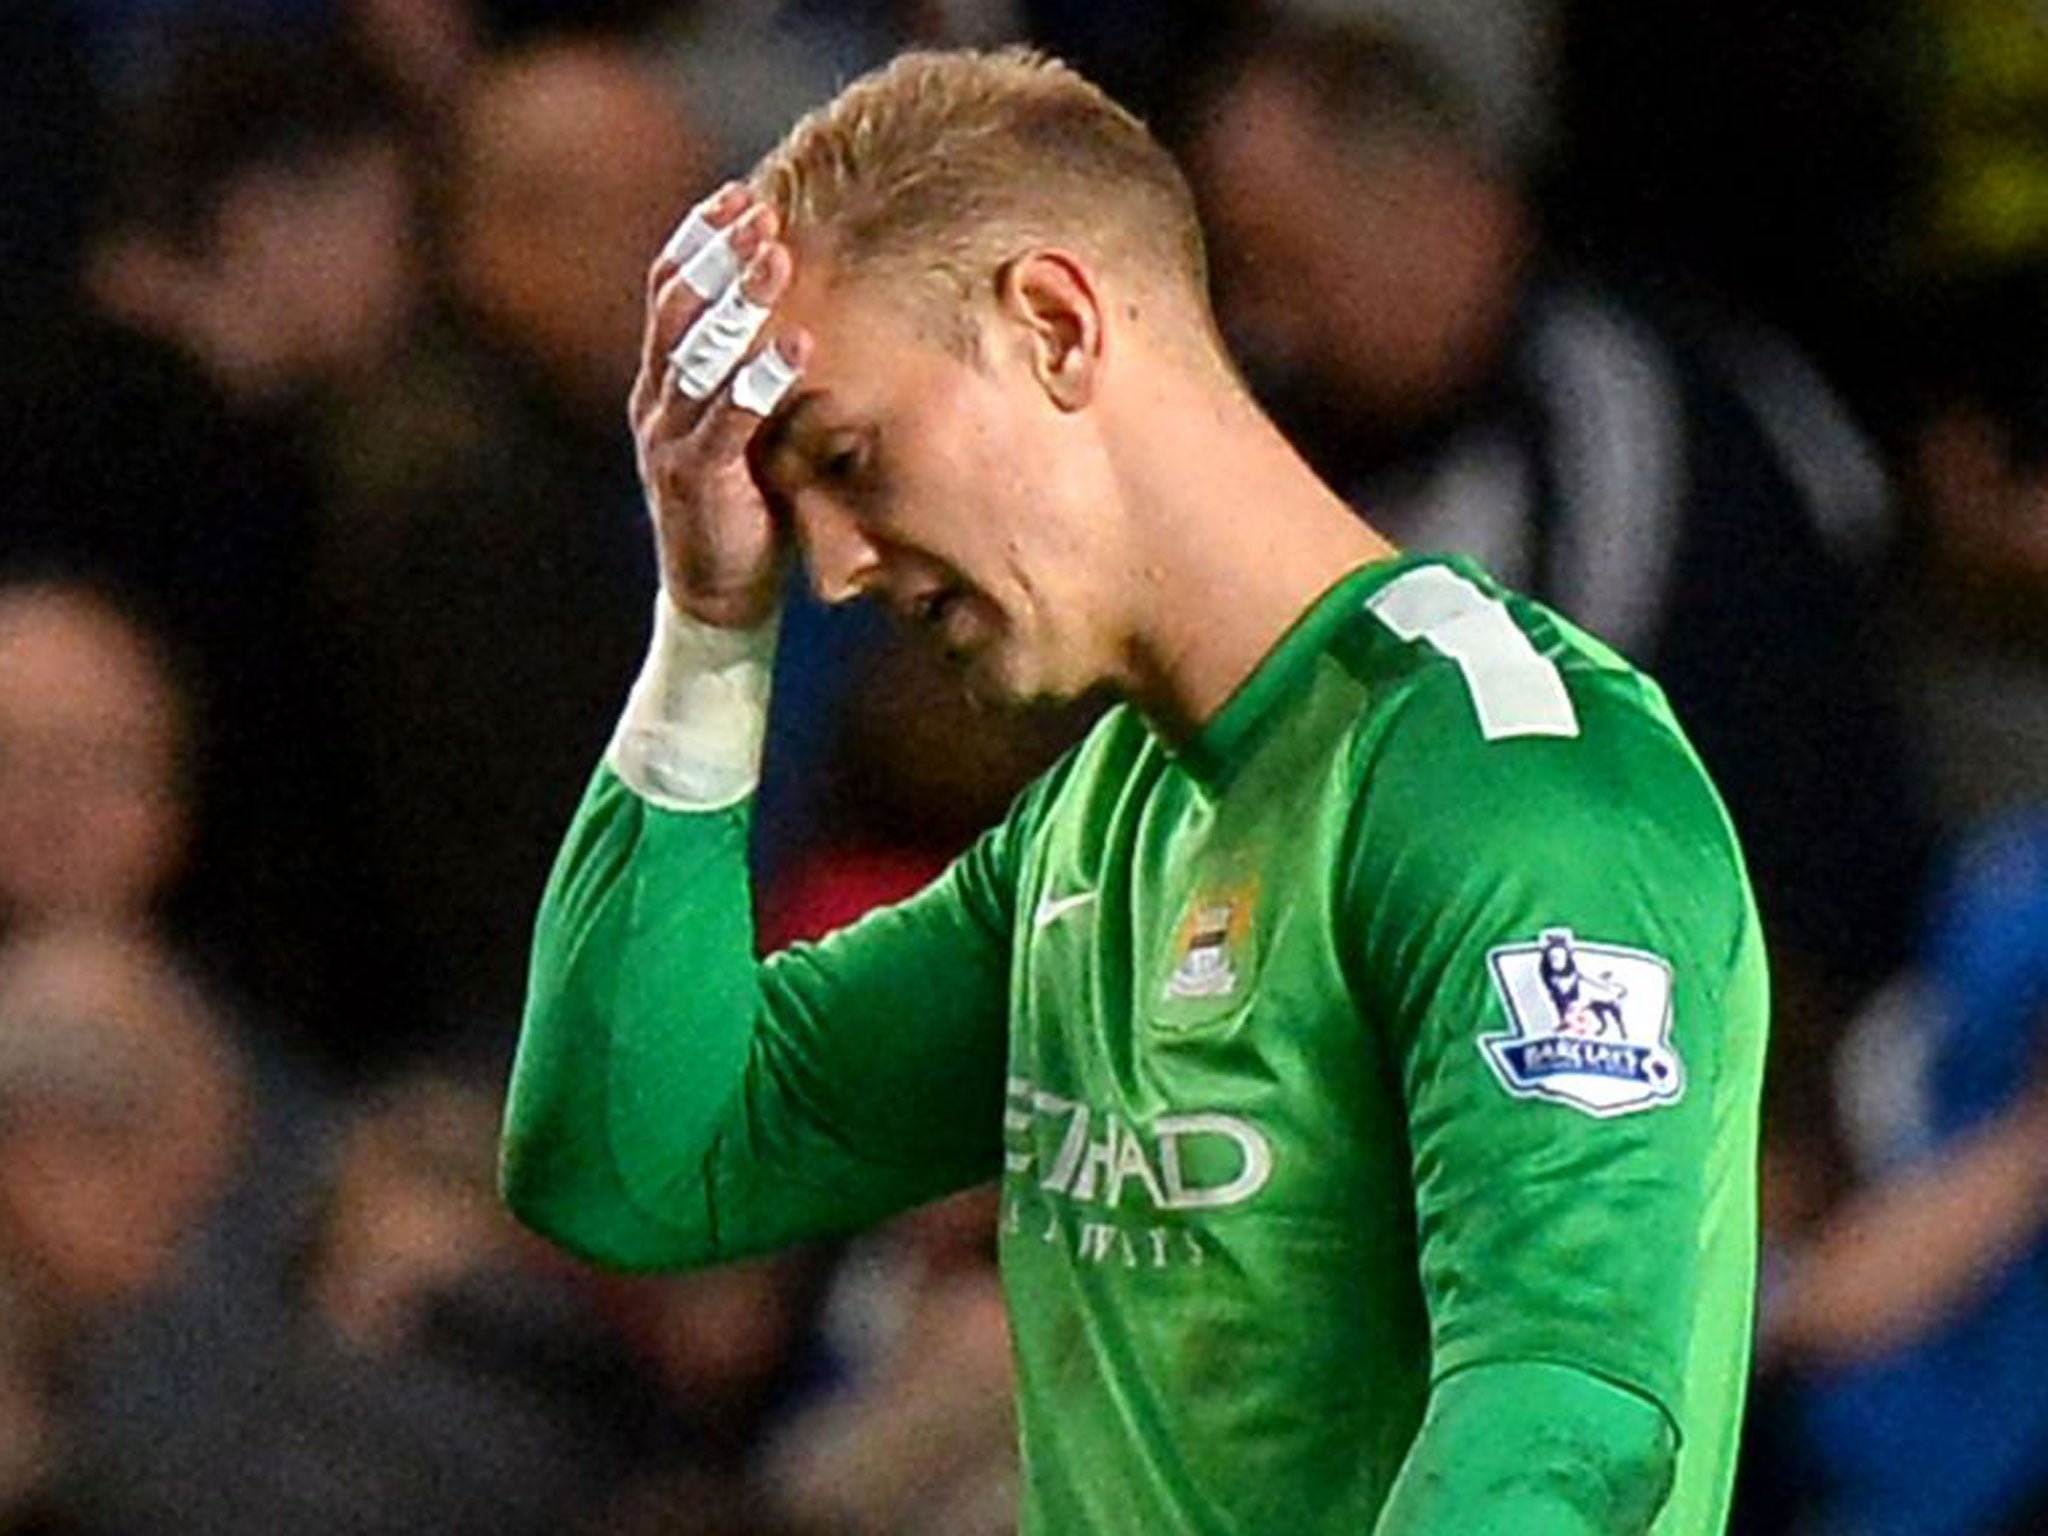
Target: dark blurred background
[1721,326]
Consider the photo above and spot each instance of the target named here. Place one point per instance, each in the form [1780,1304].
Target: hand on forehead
[727,256]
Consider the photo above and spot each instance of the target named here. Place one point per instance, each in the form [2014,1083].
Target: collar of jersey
[1232,733]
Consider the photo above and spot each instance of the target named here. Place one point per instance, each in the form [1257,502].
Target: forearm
[1961,1217]
[643,994]
[1532,1449]
[677,1102]
[633,1043]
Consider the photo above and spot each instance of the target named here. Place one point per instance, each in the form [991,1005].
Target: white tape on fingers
[691,236]
[714,266]
[712,348]
[761,384]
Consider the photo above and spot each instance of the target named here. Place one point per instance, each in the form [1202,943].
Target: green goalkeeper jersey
[1408,1019]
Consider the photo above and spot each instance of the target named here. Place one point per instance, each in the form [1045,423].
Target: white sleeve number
[1515,690]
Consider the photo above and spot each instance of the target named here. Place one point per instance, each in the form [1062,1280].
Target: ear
[1050,295]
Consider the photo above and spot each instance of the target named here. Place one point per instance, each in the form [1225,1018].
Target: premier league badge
[1592,1025]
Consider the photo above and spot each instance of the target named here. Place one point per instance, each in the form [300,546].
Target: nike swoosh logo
[1052,908]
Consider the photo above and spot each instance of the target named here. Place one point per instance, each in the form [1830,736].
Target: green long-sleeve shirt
[1391,1049]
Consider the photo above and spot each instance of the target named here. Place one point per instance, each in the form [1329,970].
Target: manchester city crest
[1205,968]
[1210,947]
[1592,1025]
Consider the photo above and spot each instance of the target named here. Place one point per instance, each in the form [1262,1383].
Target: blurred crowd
[1721,325]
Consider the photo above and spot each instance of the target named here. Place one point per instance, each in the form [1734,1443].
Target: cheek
[952,467]
[1064,511]
[974,434]
[982,474]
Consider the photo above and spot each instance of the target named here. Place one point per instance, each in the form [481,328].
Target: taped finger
[692,235]
[713,267]
[713,346]
[719,214]
[766,378]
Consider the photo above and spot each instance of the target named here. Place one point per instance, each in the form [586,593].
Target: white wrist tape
[713,346]
[690,738]
[760,386]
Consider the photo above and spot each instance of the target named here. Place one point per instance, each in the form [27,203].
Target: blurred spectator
[94,807]
[119,1110]
[572,163]
[1916,1316]
[412,1209]
[410,1370]
[263,233]
[94,755]
[1904,1324]
[395,1374]
[1681,483]
[248,263]
[95,803]
[919,1437]
[1976,447]
[489,574]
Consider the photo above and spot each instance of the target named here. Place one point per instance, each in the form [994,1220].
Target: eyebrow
[776,430]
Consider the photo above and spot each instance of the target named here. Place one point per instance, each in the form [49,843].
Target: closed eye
[842,461]
[791,453]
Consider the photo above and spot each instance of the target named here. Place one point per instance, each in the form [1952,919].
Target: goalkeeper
[1365,1021]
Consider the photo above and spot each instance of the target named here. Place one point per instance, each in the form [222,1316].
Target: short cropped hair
[943,165]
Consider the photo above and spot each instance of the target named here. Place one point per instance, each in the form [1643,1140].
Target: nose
[841,558]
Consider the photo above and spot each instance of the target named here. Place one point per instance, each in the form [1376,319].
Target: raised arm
[674,1102]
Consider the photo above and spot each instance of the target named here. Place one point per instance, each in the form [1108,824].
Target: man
[119,1114]
[1315,1218]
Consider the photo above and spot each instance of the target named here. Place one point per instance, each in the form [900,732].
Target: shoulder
[1511,779]
[1450,660]
[1492,728]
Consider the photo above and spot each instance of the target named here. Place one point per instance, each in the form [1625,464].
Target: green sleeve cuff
[1526,1448]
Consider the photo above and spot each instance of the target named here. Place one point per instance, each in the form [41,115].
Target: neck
[1238,538]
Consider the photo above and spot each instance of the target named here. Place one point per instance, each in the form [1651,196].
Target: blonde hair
[944,165]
